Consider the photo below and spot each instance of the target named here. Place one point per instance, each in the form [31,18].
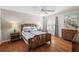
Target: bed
[32,37]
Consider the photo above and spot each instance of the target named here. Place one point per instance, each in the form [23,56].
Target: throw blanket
[27,35]
[37,32]
[31,34]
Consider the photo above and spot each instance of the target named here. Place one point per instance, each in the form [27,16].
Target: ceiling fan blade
[45,12]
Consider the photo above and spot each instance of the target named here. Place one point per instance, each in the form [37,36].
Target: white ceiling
[36,10]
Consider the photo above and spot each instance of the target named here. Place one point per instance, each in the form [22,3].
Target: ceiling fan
[46,11]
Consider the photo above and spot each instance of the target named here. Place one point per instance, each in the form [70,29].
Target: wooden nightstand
[15,36]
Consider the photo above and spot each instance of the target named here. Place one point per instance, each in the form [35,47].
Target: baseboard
[5,41]
[0,42]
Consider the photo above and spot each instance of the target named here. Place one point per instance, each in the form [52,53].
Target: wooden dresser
[68,35]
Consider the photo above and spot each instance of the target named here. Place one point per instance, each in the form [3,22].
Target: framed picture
[71,21]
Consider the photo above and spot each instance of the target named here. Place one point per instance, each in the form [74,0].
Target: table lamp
[14,26]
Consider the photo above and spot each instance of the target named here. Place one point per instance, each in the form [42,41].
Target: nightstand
[15,36]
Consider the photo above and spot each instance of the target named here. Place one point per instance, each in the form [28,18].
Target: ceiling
[36,10]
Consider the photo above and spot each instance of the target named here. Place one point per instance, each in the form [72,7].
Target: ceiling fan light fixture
[47,10]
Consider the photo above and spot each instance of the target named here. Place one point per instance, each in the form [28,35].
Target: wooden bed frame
[36,40]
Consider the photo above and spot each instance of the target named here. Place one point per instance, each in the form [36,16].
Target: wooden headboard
[26,25]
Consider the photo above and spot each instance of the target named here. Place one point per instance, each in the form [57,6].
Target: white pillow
[27,29]
[33,29]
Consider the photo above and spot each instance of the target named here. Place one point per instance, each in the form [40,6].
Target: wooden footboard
[39,40]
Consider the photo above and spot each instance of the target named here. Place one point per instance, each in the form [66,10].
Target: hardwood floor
[57,45]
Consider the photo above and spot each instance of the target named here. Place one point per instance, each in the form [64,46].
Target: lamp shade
[14,26]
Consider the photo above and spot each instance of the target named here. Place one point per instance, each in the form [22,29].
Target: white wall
[61,17]
[0,25]
[11,16]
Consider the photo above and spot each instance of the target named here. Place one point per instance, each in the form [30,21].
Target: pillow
[26,29]
[33,29]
